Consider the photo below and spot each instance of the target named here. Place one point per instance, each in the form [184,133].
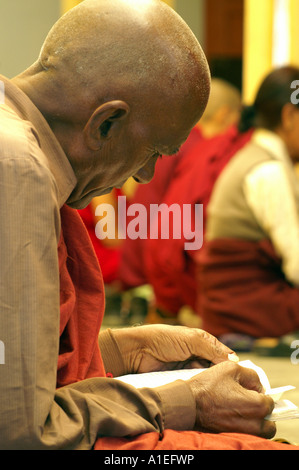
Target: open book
[284,409]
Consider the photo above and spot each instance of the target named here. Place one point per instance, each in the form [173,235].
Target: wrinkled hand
[229,398]
[162,347]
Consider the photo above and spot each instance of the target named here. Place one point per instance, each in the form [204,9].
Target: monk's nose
[146,173]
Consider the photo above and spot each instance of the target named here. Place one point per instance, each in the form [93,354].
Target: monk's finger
[206,346]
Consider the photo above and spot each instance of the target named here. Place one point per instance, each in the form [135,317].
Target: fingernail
[233,358]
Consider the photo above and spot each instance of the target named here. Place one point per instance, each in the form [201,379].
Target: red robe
[82,310]
[242,289]
[82,303]
[110,257]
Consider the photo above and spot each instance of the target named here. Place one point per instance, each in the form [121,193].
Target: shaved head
[120,82]
[125,44]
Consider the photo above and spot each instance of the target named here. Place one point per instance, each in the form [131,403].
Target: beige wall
[23,27]
[193,12]
[25,23]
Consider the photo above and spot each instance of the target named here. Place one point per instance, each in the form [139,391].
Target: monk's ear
[104,122]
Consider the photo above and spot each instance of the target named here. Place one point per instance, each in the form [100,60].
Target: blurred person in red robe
[248,268]
[170,266]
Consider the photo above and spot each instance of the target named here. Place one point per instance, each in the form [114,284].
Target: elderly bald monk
[116,84]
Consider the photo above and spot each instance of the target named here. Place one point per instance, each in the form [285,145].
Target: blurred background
[243,39]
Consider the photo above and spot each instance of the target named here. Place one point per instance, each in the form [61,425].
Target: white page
[284,409]
[156,379]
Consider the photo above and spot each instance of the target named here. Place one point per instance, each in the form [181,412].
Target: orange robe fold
[190,440]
